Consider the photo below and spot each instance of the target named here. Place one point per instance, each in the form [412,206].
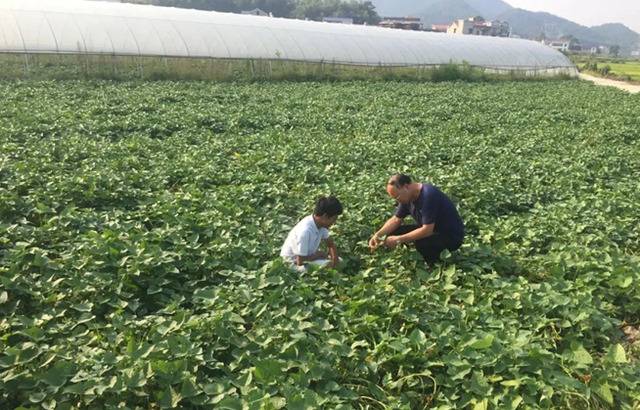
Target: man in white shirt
[301,246]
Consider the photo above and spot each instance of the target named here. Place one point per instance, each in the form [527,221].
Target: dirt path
[611,83]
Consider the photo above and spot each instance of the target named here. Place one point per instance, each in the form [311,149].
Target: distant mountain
[446,11]
[534,24]
[531,24]
[527,24]
[489,9]
[616,33]
[400,7]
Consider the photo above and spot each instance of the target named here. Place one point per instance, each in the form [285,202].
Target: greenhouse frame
[120,29]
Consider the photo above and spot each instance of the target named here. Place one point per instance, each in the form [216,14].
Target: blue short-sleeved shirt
[434,207]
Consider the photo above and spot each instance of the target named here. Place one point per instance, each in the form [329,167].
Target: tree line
[360,12]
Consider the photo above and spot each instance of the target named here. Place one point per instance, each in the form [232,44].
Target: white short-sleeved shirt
[304,239]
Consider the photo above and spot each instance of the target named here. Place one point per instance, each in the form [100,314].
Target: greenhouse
[116,29]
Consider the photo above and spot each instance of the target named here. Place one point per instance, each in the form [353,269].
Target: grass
[631,69]
[107,67]
[616,68]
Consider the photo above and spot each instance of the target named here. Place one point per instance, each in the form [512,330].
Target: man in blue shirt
[438,225]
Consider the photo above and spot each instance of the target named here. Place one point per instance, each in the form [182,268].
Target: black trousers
[431,246]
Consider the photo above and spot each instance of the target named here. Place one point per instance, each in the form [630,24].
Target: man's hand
[374,242]
[391,225]
[334,262]
[392,242]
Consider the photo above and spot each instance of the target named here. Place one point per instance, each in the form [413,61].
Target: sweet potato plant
[140,225]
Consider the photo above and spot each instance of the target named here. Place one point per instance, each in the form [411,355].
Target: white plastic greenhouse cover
[79,26]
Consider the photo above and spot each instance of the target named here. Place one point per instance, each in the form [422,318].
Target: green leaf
[169,399]
[49,405]
[616,354]
[418,337]
[623,282]
[483,343]
[28,353]
[580,355]
[481,405]
[83,307]
[77,388]
[268,371]
[10,357]
[479,384]
[359,343]
[515,402]
[84,318]
[212,389]
[135,378]
[236,318]
[58,374]
[278,402]
[34,333]
[37,397]
[143,351]
[604,391]
[229,403]
[189,388]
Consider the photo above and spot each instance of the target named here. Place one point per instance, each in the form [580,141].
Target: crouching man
[437,227]
[301,248]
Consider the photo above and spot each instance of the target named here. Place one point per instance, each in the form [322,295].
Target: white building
[477,26]
[604,50]
[560,45]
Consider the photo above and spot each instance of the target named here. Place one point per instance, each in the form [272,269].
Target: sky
[588,12]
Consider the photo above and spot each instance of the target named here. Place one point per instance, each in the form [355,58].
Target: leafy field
[626,70]
[140,225]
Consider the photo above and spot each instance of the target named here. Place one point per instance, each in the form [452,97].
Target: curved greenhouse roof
[77,26]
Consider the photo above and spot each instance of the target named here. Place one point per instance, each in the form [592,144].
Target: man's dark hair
[399,180]
[328,205]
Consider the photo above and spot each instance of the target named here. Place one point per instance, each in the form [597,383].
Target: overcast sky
[588,12]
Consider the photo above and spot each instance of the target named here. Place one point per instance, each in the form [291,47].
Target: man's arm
[390,226]
[417,234]
[300,260]
[333,252]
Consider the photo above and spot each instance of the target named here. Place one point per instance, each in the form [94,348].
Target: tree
[311,9]
[317,9]
[279,8]
[614,50]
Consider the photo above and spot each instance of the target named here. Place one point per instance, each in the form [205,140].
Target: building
[605,50]
[256,12]
[338,20]
[635,53]
[560,44]
[439,28]
[404,23]
[477,26]
[461,26]
[564,44]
